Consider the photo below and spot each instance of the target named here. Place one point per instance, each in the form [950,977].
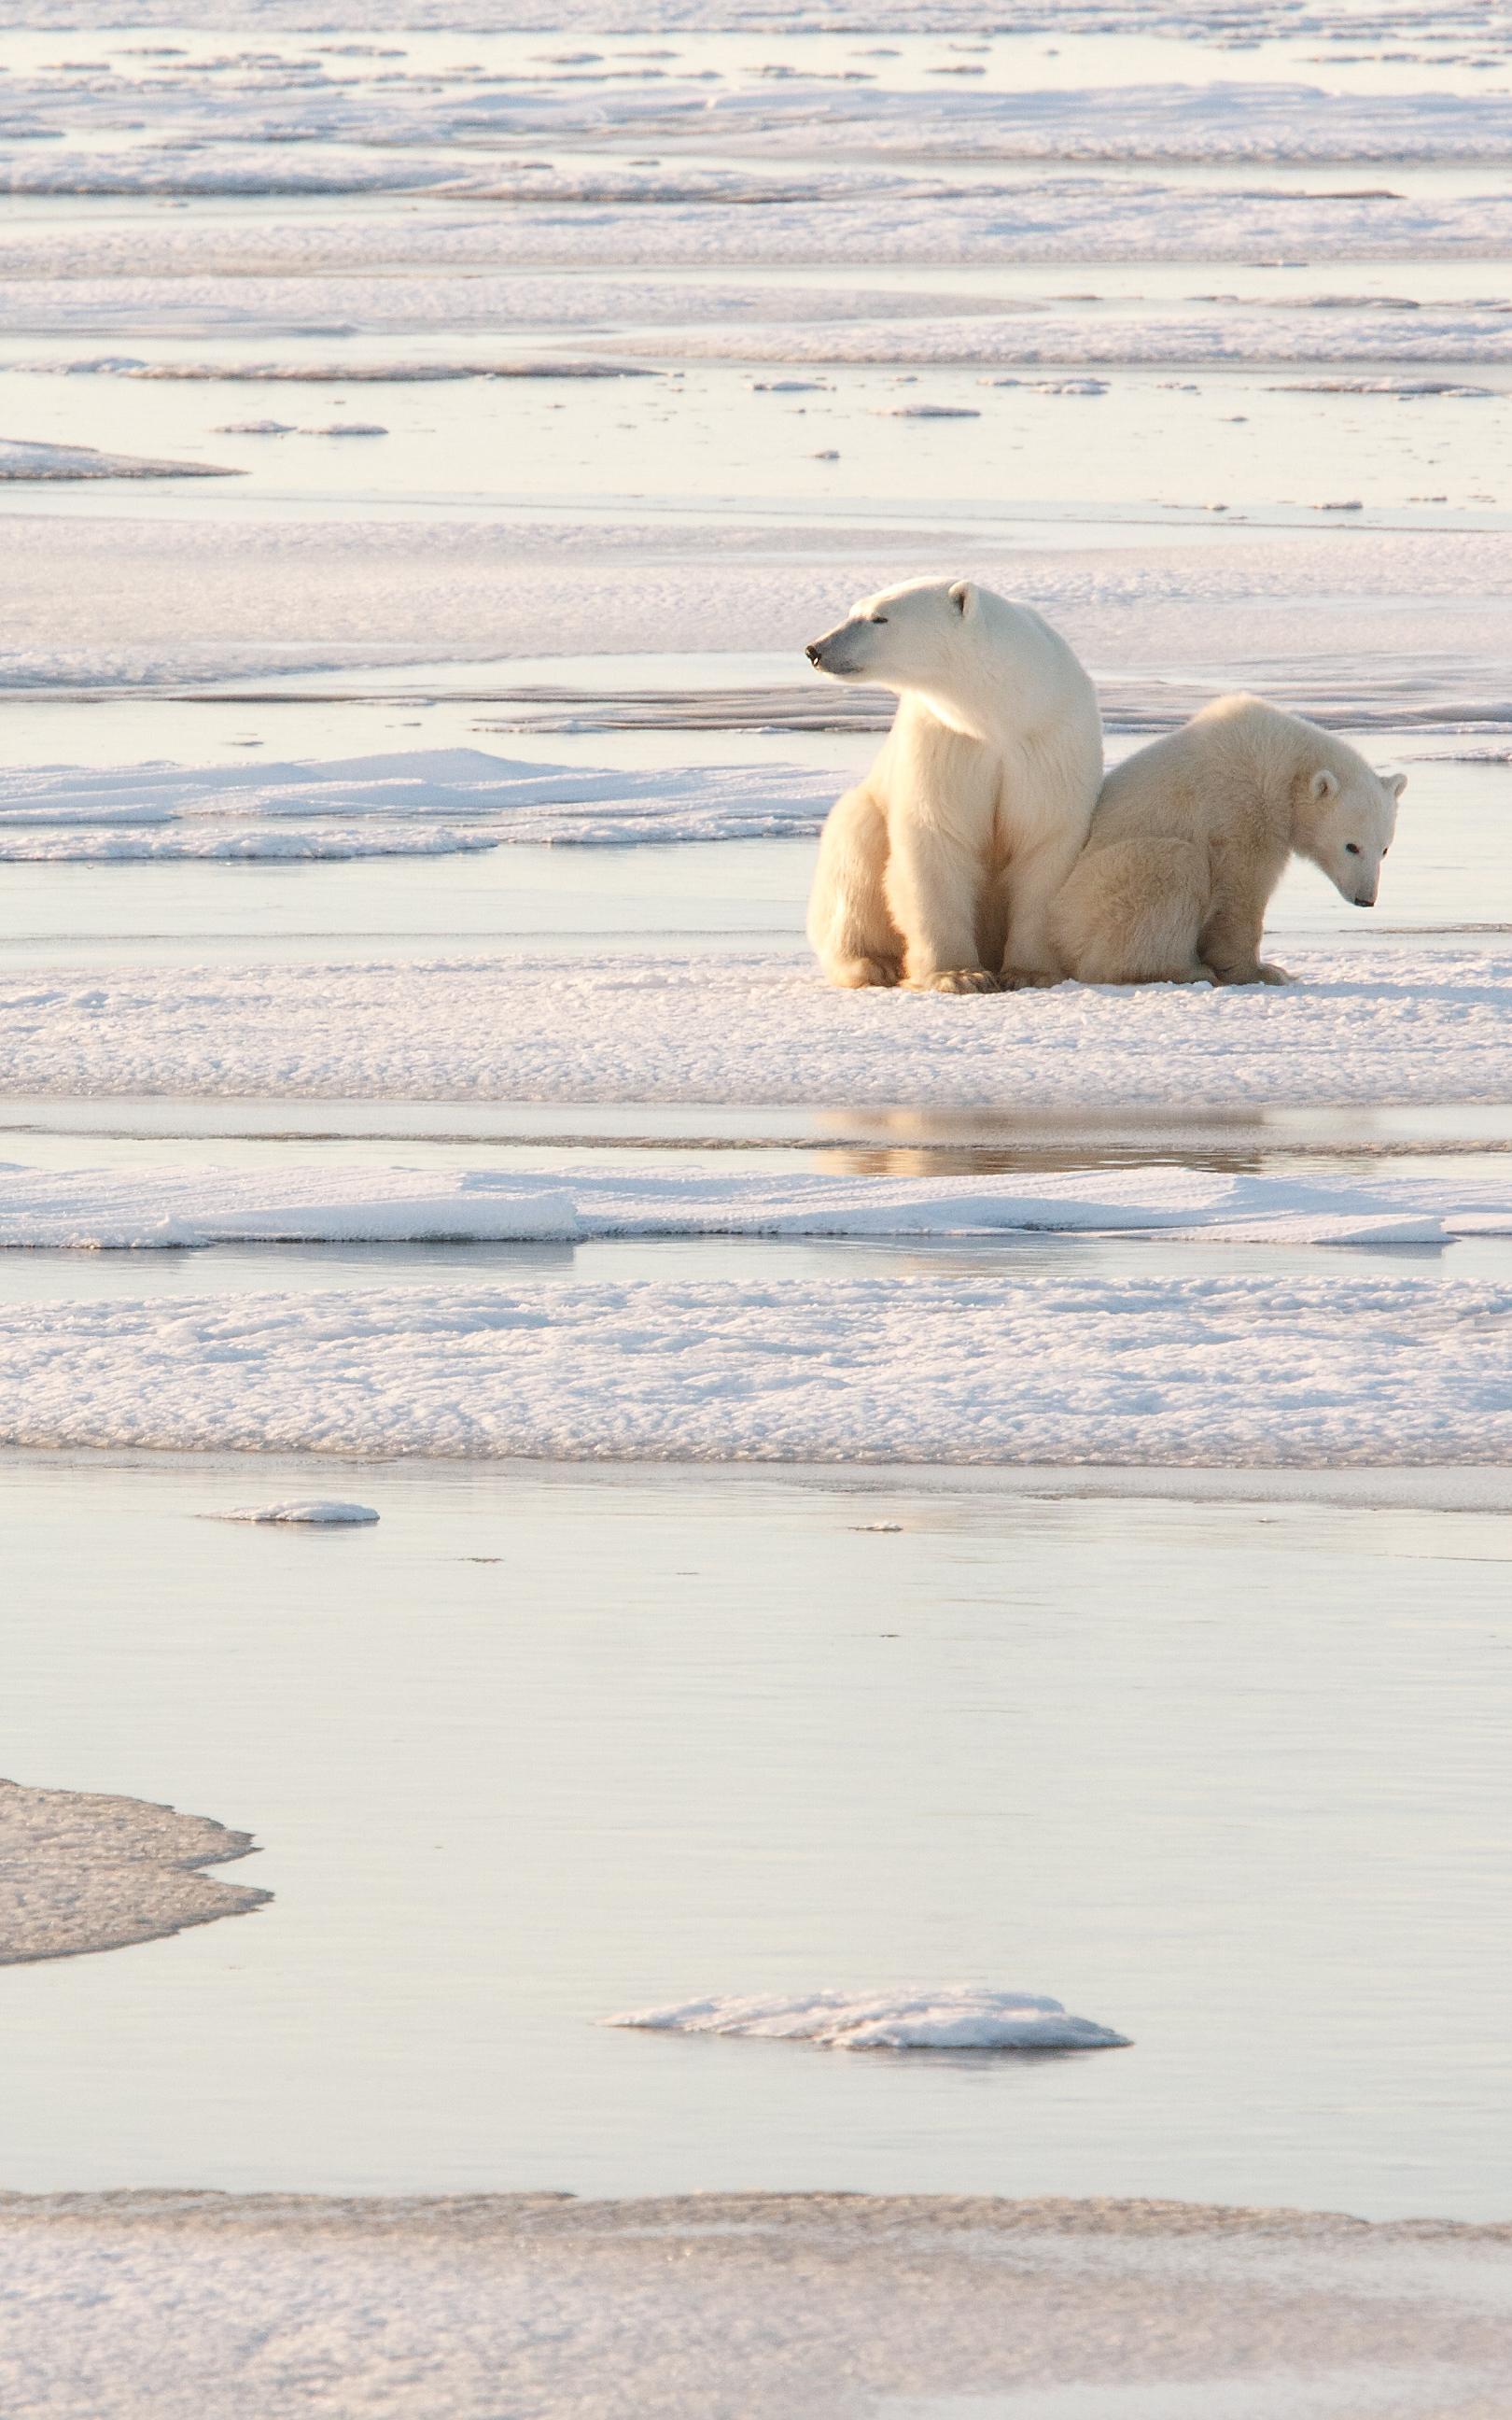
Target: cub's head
[1349,815]
[910,637]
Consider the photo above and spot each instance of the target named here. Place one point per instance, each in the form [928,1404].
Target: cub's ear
[962,596]
[1397,783]
[1324,784]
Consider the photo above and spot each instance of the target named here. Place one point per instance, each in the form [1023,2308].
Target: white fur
[939,869]
[1192,834]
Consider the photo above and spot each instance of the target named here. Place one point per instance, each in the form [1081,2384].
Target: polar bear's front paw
[955,979]
[858,974]
[1027,979]
[1274,974]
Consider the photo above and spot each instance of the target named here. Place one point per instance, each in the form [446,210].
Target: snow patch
[412,803]
[947,2016]
[156,1208]
[968,1366]
[80,1872]
[1375,1027]
[22,458]
[308,1512]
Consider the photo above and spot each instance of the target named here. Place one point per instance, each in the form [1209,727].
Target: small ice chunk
[928,412]
[347,429]
[314,1512]
[947,2016]
[254,429]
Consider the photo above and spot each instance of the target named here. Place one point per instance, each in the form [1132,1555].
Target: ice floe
[153,1207]
[942,2016]
[306,1512]
[22,458]
[769,2304]
[79,1871]
[418,802]
[1366,1028]
[972,1366]
[149,601]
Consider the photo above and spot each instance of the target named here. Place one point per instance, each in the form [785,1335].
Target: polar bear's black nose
[814,652]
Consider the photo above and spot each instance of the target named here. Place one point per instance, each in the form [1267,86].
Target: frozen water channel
[547,1744]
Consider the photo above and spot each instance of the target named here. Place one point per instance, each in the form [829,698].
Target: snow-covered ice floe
[965,1368]
[307,1511]
[775,2307]
[22,458]
[1317,625]
[79,1871]
[413,802]
[1387,1025]
[308,1201]
[943,2016]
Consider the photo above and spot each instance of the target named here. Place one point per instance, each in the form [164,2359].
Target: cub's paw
[856,975]
[1272,974]
[1028,979]
[955,979]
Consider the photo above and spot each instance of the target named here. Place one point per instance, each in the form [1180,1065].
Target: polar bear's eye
[876,617]
[1351,848]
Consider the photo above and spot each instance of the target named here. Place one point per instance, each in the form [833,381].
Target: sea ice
[943,2016]
[965,1366]
[153,1207]
[420,801]
[22,458]
[80,1872]
[311,1511]
[1383,1025]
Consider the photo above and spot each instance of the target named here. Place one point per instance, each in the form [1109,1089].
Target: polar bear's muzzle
[835,653]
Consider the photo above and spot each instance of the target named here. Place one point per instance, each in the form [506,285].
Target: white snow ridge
[941,2016]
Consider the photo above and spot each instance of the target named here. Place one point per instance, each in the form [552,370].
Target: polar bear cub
[1191,835]
[939,869]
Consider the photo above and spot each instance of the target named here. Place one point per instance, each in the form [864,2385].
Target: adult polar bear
[938,870]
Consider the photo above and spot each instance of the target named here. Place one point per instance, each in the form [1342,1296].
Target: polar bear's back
[1238,758]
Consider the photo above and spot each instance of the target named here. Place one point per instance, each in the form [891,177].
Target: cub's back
[1161,792]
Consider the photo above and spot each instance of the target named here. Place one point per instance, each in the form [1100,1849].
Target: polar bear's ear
[1325,784]
[1397,783]
[962,596]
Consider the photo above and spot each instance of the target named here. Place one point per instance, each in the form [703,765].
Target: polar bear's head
[1347,820]
[912,637]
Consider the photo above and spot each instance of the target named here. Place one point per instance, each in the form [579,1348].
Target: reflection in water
[543,1744]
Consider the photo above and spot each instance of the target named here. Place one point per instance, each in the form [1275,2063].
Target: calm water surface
[544,1744]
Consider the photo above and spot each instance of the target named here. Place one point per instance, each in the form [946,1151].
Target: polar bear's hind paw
[859,974]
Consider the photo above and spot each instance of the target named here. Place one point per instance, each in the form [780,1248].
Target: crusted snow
[412,802]
[27,458]
[306,1512]
[1412,615]
[741,2307]
[304,1200]
[79,1871]
[1381,1025]
[683,214]
[941,2016]
[982,1367]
